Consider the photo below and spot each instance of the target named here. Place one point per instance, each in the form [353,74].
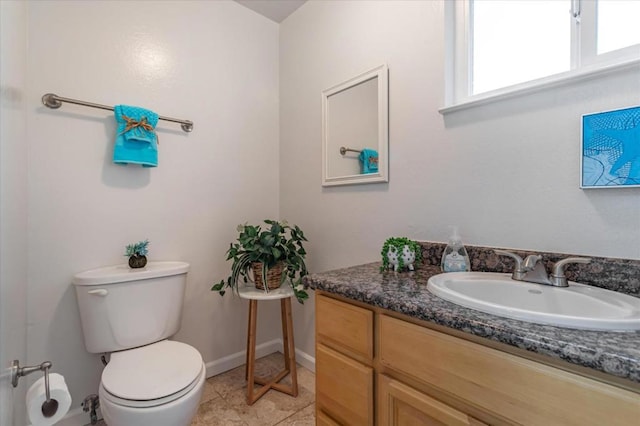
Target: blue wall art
[611,149]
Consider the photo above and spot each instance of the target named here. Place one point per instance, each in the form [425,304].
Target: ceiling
[276,10]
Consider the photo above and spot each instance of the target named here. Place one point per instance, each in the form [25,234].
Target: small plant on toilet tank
[401,253]
[137,254]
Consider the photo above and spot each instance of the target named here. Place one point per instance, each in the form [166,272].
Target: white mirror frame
[381,72]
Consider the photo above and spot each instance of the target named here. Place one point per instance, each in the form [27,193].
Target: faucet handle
[557,276]
[519,271]
[514,256]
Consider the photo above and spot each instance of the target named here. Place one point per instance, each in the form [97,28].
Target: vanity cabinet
[428,377]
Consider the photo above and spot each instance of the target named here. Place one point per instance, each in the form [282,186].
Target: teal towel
[138,144]
[369,160]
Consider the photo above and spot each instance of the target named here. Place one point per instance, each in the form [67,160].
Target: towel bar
[344,150]
[54,101]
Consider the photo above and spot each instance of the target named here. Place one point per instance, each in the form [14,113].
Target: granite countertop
[615,353]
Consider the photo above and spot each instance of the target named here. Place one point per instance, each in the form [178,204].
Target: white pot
[407,255]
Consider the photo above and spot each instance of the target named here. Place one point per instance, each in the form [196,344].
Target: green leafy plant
[399,243]
[141,248]
[279,242]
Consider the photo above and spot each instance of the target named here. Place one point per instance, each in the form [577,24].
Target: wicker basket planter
[274,275]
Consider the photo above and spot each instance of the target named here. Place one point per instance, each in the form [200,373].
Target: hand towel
[136,140]
[369,160]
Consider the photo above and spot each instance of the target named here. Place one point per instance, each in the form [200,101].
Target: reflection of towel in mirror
[369,160]
[136,141]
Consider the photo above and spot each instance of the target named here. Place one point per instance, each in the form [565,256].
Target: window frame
[585,62]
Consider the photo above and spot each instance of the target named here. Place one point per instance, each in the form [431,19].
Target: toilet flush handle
[99,292]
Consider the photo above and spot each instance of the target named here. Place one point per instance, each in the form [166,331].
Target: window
[617,25]
[498,48]
[508,51]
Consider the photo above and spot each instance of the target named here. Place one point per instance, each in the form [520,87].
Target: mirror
[355,130]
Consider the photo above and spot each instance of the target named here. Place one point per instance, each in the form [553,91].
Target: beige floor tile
[304,417]
[216,412]
[228,381]
[231,380]
[269,365]
[305,379]
[272,408]
[274,363]
[208,393]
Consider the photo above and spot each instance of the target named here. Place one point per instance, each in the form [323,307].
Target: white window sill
[553,81]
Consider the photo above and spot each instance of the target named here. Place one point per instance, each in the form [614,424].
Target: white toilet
[130,313]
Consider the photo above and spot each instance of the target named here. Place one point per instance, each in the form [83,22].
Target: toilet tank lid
[123,273]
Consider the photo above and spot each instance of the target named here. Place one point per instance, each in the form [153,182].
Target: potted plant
[137,254]
[400,252]
[272,256]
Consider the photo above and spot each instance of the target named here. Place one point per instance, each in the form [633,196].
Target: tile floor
[224,399]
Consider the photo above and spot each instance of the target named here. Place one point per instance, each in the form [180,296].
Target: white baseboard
[237,359]
[305,360]
[77,417]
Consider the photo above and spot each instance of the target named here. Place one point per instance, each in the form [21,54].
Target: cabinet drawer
[344,327]
[401,405]
[508,386]
[344,387]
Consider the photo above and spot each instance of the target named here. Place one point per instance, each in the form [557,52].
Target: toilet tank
[123,308]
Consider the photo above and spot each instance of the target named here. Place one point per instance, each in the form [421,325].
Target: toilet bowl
[158,384]
[130,314]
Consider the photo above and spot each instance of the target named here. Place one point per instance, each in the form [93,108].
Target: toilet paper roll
[37,394]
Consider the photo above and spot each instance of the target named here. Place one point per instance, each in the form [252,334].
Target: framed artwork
[610,156]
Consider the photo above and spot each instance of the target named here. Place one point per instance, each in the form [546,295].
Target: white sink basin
[576,306]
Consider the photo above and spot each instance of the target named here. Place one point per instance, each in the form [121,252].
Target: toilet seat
[152,375]
[150,403]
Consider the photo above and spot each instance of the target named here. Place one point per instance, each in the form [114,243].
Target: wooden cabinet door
[401,405]
[344,387]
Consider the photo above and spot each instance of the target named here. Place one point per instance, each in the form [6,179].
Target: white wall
[215,63]
[507,174]
[13,207]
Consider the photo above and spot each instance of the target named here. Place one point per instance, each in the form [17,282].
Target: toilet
[130,314]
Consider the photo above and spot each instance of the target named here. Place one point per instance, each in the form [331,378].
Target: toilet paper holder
[49,406]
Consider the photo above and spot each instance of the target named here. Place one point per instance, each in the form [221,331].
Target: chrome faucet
[532,270]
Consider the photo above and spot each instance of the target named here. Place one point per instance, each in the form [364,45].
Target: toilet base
[175,413]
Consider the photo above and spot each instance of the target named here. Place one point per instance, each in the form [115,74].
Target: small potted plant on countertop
[400,252]
[273,255]
[137,254]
